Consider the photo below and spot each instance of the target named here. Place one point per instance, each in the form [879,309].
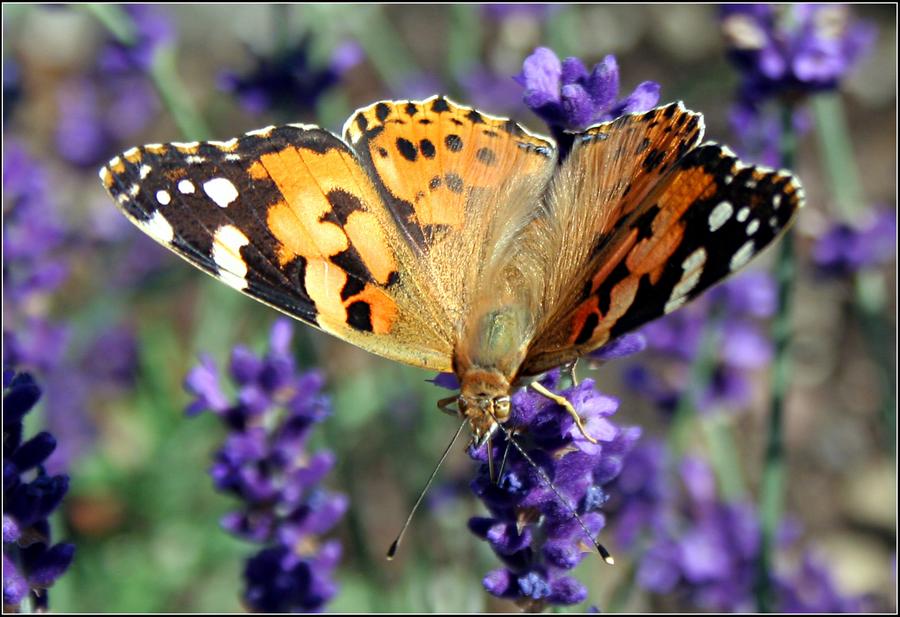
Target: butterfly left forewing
[706,220]
[287,216]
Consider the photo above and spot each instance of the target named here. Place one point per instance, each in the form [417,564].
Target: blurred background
[110,324]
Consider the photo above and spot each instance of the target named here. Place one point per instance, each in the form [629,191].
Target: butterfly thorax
[487,359]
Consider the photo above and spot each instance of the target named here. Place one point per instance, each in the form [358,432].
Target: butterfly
[445,238]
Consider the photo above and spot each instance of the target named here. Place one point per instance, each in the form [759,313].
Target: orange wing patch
[325,212]
[432,157]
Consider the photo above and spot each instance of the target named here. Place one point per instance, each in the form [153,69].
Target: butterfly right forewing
[706,219]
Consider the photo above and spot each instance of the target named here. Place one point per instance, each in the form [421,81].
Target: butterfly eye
[501,407]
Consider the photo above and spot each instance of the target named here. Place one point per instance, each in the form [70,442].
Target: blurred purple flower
[569,97]
[534,534]
[845,249]
[487,90]
[503,11]
[102,109]
[12,87]
[621,347]
[642,494]
[733,310]
[784,52]
[32,229]
[418,86]
[289,82]
[31,563]
[790,50]
[759,132]
[812,590]
[153,28]
[98,115]
[713,557]
[693,545]
[264,463]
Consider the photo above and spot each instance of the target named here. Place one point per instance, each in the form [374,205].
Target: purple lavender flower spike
[534,535]
[789,50]
[784,53]
[263,463]
[31,563]
[568,97]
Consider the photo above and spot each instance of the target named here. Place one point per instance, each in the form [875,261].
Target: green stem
[773,476]
[723,451]
[115,20]
[384,48]
[174,96]
[702,369]
[870,296]
[281,27]
[463,41]
[837,152]
[622,593]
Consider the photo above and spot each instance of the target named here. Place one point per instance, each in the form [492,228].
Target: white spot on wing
[695,260]
[221,191]
[163,197]
[226,252]
[674,303]
[186,186]
[193,158]
[743,255]
[742,214]
[158,228]
[145,171]
[720,215]
[693,269]
[752,226]
[263,132]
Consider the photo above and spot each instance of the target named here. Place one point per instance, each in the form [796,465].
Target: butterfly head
[484,401]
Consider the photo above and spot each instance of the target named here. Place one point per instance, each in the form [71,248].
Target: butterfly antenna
[600,548]
[396,543]
[503,461]
[490,461]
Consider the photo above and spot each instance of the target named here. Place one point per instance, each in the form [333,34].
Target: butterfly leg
[569,368]
[540,389]
[449,405]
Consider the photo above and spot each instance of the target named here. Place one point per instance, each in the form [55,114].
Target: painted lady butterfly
[451,240]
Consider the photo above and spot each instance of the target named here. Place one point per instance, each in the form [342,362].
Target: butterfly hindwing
[288,216]
[707,219]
